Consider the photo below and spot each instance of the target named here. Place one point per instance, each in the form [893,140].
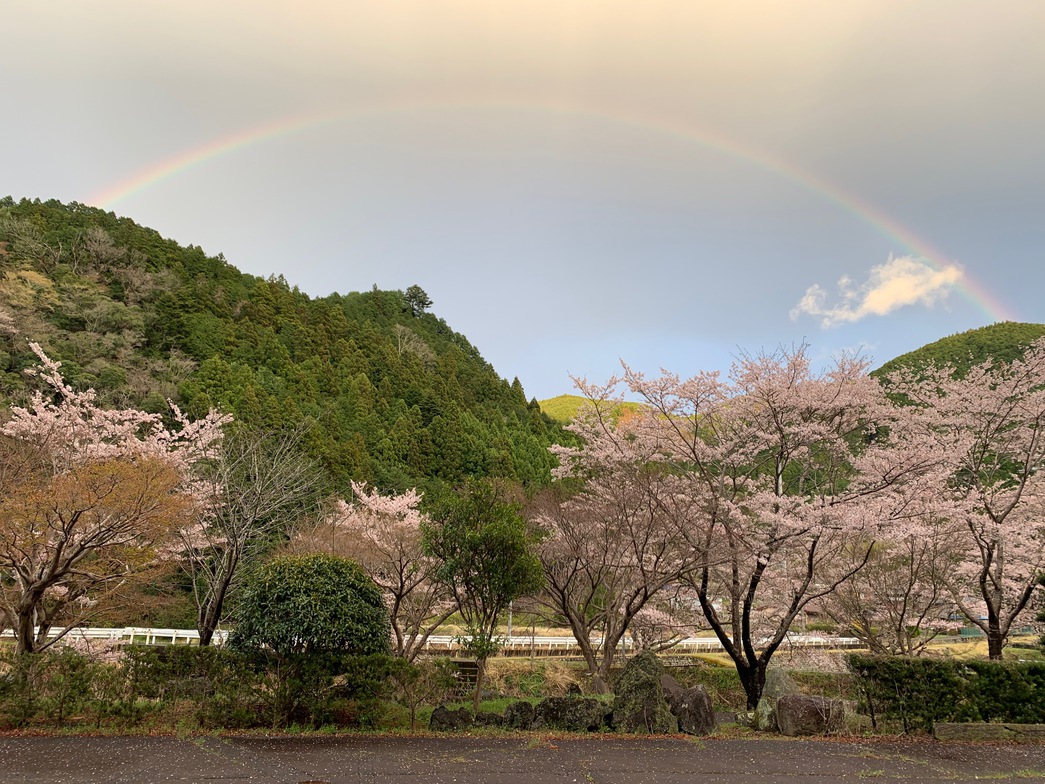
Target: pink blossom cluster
[383,533]
[72,427]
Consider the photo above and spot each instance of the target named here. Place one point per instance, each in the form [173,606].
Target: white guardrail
[517,644]
[133,634]
[566,645]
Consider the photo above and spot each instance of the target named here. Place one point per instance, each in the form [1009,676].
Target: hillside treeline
[1002,342]
[392,396]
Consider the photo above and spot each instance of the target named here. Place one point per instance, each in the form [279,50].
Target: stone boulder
[778,684]
[570,714]
[640,704]
[445,720]
[691,707]
[799,714]
[741,719]
[489,719]
[518,716]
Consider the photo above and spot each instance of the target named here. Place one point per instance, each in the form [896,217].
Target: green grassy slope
[564,408]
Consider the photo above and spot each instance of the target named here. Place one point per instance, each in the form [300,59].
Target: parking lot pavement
[514,760]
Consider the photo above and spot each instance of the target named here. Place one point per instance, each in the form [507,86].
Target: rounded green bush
[312,604]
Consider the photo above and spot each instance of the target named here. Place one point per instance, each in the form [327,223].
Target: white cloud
[898,282]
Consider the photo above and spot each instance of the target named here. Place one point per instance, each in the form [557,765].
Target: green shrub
[223,686]
[19,694]
[312,604]
[1007,691]
[52,686]
[65,683]
[317,631]
[916,691]
[920,691]
[426,682]
[108,693]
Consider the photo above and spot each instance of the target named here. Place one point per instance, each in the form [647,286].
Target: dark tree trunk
[25,636]
[210,616]
[27,640]
[995,642]
[480,672]
[753,679]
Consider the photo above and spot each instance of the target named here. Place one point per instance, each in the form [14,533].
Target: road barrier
[516,645]
[131,634]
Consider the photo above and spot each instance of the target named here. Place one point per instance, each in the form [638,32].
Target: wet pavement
[510,760]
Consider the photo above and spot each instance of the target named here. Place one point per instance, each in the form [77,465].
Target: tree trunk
[27,640]
[207,621]
[598,667]
[995,641]
[209,615]
[25,636]
[600,681]
[753,679]
[480,673]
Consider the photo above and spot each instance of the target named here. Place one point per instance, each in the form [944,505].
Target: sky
[574,183]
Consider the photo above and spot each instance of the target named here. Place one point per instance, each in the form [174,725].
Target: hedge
[921,691]
[213,687]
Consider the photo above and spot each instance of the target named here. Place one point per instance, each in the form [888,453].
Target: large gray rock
[691,707]
[518,715]
[800,714]
[778,684]
[445,720]
[640,704]
[570,714]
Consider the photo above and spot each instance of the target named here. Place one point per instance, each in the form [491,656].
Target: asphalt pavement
[509,760]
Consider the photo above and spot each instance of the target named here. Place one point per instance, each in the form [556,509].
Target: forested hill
[397,398]
[1003,342]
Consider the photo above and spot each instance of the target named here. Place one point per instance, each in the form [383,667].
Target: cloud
[898,282]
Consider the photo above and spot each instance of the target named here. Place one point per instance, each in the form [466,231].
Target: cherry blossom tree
[787,470]
[88,493]
[383,534]
[70,427]
[69,540]
[899,601]
[990,425]
[613,547]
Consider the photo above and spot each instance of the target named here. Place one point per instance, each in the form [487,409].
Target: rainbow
[974,291]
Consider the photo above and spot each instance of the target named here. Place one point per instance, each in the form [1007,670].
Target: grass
[522,677]
[564,408]
[977,649]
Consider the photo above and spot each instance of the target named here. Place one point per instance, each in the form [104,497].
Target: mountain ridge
[395,397]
